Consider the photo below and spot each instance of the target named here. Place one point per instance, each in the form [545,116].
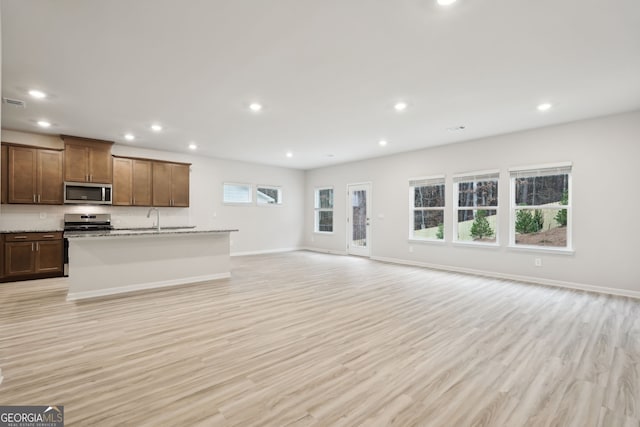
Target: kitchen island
[112,262]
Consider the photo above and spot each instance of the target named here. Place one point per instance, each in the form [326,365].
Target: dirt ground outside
[556,237]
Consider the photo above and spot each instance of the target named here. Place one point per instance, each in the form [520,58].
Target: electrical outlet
[43,215]
[537,262]
[410,248]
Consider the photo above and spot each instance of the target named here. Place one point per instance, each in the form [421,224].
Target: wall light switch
[537,262]
[410,248]
[43,215]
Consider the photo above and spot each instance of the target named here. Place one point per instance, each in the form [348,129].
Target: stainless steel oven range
[83,223]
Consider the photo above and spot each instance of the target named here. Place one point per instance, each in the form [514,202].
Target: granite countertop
[143,232]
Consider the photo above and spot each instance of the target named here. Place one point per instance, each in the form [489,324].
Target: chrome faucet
[157,225]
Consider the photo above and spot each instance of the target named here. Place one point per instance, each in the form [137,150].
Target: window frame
[278,202]
[433,180]
[536,170]
[317,209]
[239,184]
[484,175]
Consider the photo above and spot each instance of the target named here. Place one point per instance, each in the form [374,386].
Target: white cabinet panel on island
[121,261]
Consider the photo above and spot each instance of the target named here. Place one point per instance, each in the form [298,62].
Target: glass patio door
[358,223]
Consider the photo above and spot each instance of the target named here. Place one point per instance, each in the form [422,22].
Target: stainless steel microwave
[87,193]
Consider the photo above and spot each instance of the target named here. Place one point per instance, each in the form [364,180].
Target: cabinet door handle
[31,247]
[38,198]
[37,246]
[34,198]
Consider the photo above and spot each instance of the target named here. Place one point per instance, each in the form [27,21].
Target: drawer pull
[20,237]
[48,236]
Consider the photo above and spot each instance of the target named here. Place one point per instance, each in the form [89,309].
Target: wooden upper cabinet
[22,175]
[87,160]
[49,177]
[142,182]
[170,184]
[5,173]
[161,184]
[180,185]
[131,182]
[34,176]
[76,164]
[122,181]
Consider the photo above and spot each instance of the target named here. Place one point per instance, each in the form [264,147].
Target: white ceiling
[328,72]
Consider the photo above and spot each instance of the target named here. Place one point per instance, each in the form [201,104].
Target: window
[426,201]
[237,193]
[266,195]
[324,210]
[476,207]
[541,206]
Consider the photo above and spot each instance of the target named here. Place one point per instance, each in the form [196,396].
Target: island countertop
[143,232]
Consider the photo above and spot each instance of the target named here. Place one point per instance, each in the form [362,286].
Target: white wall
[262,228]
[605,153]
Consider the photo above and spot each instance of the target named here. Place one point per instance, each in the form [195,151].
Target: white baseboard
[76,296]
[528,279]
[267,251]
[324,251]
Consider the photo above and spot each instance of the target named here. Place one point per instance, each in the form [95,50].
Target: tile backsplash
[51,217]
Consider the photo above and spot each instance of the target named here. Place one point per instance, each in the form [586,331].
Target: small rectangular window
[427,203]
[476,216]
[323,210]
[541,206]
[268,195]
[237,193]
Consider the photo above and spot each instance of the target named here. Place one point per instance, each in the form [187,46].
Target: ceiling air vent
[15,102]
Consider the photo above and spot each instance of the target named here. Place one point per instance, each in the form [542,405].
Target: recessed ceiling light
[37,94]
[382,142]
[446,2]
[43,123]
[156,128]
[129,137]
[400,106]
[544,107]
[255,107]
[289,154]
[193,146]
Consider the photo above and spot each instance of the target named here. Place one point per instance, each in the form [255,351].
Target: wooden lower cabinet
[32,255]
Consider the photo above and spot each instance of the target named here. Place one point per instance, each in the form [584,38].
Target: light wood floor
[302,339]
